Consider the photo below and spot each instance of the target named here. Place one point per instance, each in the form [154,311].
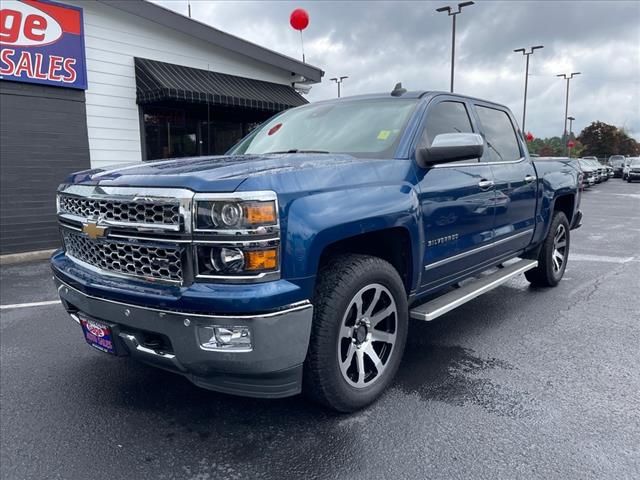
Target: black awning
[157,81]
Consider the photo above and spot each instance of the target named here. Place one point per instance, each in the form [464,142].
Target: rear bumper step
[447,302]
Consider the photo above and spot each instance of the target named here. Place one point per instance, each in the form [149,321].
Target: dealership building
[108,82]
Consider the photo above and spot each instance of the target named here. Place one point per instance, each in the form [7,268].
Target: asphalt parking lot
[520,383]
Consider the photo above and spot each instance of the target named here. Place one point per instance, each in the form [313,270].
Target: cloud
[380,43]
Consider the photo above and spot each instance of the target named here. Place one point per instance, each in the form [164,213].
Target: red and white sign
[42,42]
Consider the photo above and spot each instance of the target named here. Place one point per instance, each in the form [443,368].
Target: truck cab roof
[413,94]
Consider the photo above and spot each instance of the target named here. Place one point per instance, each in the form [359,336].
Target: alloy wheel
[367,335]
[559,254]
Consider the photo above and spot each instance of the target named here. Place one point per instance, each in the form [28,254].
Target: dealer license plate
[97,334]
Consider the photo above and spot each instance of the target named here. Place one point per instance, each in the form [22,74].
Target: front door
[514,177]
[456,201]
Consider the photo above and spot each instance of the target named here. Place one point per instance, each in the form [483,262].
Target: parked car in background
[589,173]
[617,163]
[626,166]
[603,175]
[594,167]
[610,171]
[633,172]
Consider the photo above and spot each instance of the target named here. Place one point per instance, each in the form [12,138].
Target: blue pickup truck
[294,263]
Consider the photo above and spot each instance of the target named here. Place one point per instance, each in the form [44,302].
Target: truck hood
[210,174]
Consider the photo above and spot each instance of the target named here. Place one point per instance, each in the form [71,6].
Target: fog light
[218,337]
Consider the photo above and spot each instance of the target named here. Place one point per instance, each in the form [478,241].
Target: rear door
[514,176]
[455,200]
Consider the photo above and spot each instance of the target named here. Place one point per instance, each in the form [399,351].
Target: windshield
[585,163]
[635,162]
[366,128]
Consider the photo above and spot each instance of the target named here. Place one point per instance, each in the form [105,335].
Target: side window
[501,143]
[446,117]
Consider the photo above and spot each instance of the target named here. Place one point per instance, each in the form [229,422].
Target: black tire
[546,274]
[340,281]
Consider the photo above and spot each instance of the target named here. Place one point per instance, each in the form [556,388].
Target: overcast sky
[380,43]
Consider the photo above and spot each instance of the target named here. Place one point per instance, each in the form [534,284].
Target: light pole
[338,81]
[566,105]
[571,119]
[526,80]
[453,14]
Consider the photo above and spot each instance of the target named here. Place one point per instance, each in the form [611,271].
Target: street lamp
[526,79]
[567,77]
[338,81]
[571,119]
[453,14]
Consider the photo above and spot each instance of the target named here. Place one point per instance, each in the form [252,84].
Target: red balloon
[299,19]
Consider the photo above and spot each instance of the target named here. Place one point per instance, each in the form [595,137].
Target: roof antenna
[398,91]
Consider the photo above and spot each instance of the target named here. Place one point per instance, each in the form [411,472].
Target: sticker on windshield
[384,134]
[274,129]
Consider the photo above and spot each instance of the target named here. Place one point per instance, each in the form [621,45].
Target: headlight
[236,236]
[235,215]
[236,261]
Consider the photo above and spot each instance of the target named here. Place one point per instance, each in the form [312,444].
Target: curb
[15,258]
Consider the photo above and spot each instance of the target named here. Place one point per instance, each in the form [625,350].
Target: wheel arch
[566,204]
[391,244]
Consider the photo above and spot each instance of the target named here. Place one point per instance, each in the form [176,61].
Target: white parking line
[584,257]
[26,305]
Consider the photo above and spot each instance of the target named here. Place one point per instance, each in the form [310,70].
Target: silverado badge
[93,230]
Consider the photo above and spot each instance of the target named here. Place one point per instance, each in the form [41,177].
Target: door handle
[529,178]
[485,184]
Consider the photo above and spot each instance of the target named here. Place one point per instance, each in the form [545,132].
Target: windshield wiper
[295,150]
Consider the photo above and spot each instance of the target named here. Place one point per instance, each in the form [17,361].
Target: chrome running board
[447,302]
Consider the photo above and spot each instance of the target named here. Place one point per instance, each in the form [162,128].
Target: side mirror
[451,147]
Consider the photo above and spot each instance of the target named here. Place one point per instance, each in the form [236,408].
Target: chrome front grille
[149,261]
[136,211]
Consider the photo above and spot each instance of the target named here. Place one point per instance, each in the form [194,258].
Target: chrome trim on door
[476,250]
[455,165]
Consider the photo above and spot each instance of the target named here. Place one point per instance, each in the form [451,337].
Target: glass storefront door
[169,134]
[192,130]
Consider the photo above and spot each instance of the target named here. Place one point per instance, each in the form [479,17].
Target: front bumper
[633,174]
[271,369]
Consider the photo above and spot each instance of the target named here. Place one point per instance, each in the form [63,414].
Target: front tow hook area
[146,354]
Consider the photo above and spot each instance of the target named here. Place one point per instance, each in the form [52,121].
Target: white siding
[112,39]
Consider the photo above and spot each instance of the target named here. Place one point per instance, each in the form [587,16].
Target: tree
[601,140]
[553,147]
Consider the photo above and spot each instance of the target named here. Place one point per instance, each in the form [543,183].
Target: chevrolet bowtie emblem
[93,230]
